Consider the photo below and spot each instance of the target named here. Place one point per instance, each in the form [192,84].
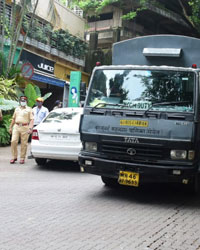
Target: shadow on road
[155,194]
[62,166]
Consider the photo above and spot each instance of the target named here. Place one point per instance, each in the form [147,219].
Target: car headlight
[178,154]
[91,146]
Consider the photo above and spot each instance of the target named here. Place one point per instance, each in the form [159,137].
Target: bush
[4,130]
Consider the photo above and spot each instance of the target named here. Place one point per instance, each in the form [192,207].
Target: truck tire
[193,187]
[40,161]
[110,182]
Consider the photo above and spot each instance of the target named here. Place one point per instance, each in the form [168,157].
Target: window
[160,90]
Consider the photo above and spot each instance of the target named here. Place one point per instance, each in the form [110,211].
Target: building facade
[52,63]
[110,27]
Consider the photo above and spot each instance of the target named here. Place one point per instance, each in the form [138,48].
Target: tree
[11,29]
[189,10]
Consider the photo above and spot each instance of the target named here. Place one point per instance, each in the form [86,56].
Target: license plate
[59,137]
[128,178]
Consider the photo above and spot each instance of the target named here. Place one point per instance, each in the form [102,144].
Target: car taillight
[35,135]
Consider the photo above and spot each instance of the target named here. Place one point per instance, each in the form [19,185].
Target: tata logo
[131,140]
[46,67]
[131,151]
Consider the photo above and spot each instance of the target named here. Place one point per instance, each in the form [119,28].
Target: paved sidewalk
[59,208]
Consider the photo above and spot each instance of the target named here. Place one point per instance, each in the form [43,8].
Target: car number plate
[59,137]
[128,178]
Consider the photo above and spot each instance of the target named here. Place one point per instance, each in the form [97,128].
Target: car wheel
[110,182]
[40,161]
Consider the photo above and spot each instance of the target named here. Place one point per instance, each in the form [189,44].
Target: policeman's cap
[23,98]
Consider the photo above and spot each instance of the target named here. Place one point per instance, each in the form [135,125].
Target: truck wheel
[110,182]
[193,187]
[40,161]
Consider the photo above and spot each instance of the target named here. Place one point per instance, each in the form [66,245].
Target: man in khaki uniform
[21,127]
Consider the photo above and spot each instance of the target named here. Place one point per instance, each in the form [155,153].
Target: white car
[57,136]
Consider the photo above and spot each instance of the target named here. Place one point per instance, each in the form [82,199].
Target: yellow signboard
[137,123]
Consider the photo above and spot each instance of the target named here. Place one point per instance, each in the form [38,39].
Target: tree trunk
[29,27]
[15,41]
[3,24]
[12,36]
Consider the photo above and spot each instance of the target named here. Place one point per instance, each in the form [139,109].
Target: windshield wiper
[108,104]
[165,104]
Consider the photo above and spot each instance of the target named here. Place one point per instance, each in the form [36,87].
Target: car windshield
[142,90]
[60,117]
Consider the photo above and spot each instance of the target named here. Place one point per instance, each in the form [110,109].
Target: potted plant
[34,42]
[46,38]
[53,42]
[61,54]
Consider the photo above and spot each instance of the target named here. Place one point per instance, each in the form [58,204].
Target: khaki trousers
[22,133]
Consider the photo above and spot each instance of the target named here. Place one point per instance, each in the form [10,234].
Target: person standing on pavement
[21,127]
[40,112]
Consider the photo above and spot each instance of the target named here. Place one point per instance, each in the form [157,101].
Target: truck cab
[141,120]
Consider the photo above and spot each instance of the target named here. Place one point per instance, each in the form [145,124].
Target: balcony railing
[101,25]
[53,51]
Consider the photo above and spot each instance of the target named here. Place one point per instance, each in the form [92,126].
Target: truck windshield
[142,90]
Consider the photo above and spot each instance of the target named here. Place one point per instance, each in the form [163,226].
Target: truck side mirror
[82,91]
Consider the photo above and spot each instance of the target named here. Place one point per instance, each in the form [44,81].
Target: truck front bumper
[148,173]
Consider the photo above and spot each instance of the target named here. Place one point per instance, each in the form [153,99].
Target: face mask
[39,104]
[23,103]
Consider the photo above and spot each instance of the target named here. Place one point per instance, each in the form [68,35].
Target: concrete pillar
[116,35]
[93,40]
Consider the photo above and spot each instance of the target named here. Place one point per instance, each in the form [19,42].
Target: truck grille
[132,152]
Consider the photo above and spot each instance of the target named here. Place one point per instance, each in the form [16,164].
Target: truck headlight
[191,154]
[91,146]
[178,154]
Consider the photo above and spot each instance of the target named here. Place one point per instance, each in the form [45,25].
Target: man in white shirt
[40,112]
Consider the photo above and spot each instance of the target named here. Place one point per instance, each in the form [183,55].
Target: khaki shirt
[23,115]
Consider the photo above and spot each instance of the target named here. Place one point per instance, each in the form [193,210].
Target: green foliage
[94,5]
[63,2]
[7,89]
[130,15]
[7,105]
[30,93]
[38,32]
[37,90]
[189,10]
[195,17]
[7,28]
[4,128]
[3,64]
[70,45]
[47,95]
[13,72]
[11,28]
[60,39]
